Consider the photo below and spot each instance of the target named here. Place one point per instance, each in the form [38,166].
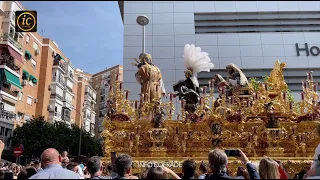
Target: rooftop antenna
[143,21]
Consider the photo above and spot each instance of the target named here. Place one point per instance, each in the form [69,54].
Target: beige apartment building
[85,102]
[37,79]
[101,82]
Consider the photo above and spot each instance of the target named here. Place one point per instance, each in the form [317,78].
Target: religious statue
[222,83]
[271,120]
[188,90]
[150,78]
[276,78]
[236,76]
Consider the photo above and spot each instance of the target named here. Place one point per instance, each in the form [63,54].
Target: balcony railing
[8,37]
[58,115]
[8,115]
[8,91]
[57,96]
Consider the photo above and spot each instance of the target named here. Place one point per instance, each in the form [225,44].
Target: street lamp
[143,21]
[80,136]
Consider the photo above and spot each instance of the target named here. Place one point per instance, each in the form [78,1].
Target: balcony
[59,65]
[7,115]
[56,96]
[10,38]
[8,94]
[59,80]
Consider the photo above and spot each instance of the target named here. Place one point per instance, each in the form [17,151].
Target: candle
[266,86]
[305,84]
[131,136]
[302,96]
[248,103]
[117,76]
[211,83]
[142,97]
[121,86]
[177,130]
[284,95]
[127,95]
[257,96]
[222,90]
[136,104]
[204,90]
[171,97]
[201,100]
[157,88]
[254,96]
[178,116]
[310,76]
[291,105]
[110,88]
[231,98]
[182,103]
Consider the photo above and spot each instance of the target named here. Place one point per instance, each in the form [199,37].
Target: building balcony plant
[9,38]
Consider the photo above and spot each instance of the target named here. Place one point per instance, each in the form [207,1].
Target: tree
[38,135]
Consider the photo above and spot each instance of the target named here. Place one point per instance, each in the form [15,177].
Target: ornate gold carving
[260,121]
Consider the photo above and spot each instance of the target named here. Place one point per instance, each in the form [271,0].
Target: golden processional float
[260,118]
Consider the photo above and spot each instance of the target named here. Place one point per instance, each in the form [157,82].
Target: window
[26,118]
[35,46]
[29,100]
[34,64]
[19,117]
[21,96]
[27,39]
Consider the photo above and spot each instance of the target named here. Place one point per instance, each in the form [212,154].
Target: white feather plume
[196,60]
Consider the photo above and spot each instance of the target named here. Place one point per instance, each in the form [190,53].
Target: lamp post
[143,21]
[80,136]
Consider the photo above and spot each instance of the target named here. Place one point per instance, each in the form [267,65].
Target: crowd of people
[53,165]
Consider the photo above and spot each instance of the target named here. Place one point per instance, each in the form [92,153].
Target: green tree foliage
[38,135]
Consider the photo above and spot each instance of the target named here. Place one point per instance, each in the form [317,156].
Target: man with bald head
[52,169]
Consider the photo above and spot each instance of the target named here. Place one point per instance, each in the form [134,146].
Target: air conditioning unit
[36,100]
[50,87]
[53,54]
[24,82]
[50,108]
[37,52]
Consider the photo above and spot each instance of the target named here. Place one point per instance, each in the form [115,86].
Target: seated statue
[195,61]
[276,78]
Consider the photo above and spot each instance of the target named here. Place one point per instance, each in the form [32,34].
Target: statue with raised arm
[195,61]
[150,78]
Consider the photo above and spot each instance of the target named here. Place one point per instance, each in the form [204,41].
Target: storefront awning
[33,79]
[12,79]
[25,74]
[15,54]
[28,54]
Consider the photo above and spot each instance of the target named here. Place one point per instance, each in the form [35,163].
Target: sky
[90,33]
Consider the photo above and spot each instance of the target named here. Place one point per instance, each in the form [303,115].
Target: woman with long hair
[269,169]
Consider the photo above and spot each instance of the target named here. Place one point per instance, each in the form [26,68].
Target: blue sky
[90,33]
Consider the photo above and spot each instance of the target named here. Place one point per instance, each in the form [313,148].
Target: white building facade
[250,34]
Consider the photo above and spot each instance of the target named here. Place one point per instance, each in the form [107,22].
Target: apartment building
[36,78]
[101,82]
[85,102]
